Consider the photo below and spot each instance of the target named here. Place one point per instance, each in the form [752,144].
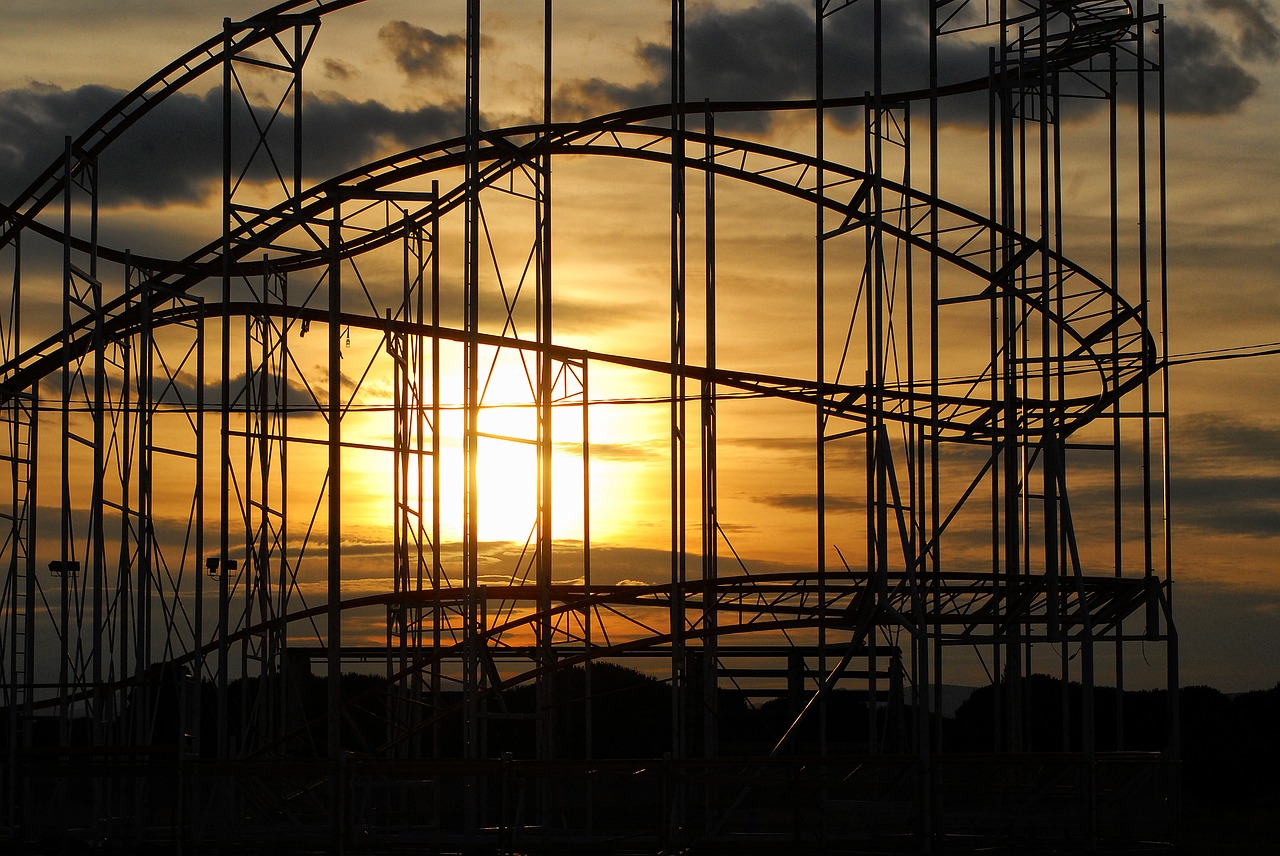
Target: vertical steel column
[918,546]
[437,611]
[132,566]
[265,403]
[396,343]
[407,347]
[1174,750]
[546,682]
[127,452]
[28,607]
[142,572]
[1005,375]
[878,455]
[254,344]
[710,490]
[285,576]
[1052,456]
[933,533]
[218,565]
[679,664]
[403,347]
[198,640]
[20,415]
[1144,310]
[422,575]
[995,175]
[1116,409]
[471,630]
[333,612]
[587,736]
[97,534]
[820,352]
[66,555]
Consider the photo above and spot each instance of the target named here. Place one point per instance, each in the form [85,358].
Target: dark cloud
[420,52]
[621,451]
[33,122]
[1229,504]
[1202,76]
[1215,440]
[1225,476]
[336,69]
[1208,46]
[766,52]
[808,502]
[343,134]
[179,392]
[612,564]
[173,154]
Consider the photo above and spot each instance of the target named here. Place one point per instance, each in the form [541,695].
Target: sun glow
[599,500]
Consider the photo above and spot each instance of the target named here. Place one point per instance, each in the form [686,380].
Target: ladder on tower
[18,435]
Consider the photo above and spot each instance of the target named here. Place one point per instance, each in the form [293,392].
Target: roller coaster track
[961,610]
[1069,32]
[964,241]
[1111,340]
[975,461]
[1057,35]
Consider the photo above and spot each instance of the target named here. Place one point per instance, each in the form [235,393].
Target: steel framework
[969,379]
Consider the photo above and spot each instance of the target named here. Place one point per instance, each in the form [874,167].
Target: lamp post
[65,570]
[220,569]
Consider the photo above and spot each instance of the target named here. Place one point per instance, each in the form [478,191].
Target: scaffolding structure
[191,425]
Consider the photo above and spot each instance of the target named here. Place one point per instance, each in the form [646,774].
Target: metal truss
[204,564]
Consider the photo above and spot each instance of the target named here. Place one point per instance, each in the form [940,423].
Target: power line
[1240,352]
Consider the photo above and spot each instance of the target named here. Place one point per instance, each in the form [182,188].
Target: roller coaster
[252,597]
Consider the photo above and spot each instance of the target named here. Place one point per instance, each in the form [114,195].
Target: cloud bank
[766,52]
[419,52]
[173,154]
[759,52]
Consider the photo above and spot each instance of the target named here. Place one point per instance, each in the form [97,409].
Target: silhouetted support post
[915,518]
[931,533]
[64,526]
[437,612]
[1007,440]
[258,139]
[19,425]
[820,365]
[878,322]
[20,432]
[218,564]
[333,629]
[547,712]
[708,704]
[588,708]
[413,414]
[471,629]
[84,391]
[678,484]
[1173,682]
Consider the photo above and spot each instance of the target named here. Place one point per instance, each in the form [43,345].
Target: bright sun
[507,463]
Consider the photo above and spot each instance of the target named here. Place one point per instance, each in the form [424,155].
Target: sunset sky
[386,76]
